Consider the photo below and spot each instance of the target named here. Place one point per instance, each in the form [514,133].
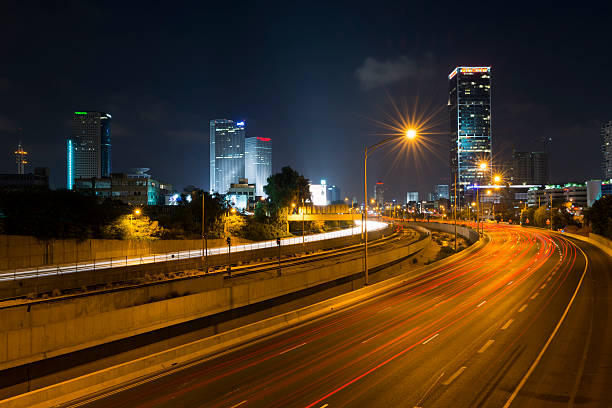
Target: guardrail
[106,263]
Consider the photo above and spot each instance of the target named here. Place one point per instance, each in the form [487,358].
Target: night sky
[313,77]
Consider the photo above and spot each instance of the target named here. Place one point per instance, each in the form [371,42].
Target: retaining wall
[467,233]
[28,252]
[41,330]
[127,274]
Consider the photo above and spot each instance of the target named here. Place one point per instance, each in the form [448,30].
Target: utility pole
[278,243]
[455,212]
[204,240]
[229,250]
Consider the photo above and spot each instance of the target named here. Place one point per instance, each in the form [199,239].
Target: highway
[524,321]
[49,270]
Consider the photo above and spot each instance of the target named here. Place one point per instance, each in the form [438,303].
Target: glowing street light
[410,134]
[497,178]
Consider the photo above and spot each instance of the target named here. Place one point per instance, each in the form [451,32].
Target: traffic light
[229,241]
[278,241]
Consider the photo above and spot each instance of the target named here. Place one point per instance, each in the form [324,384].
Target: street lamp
[409,134]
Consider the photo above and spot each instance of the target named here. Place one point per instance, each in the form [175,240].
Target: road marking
[549,278]
[454,376]
[431,338]
[486,346]
[535,295]
[238,404]
[522,308]
[482,303]
[508,323]
[323,406]
[509,283]
[288,350]
[543,286]
[368,339]
[418,405]
[552,335]
[386,308]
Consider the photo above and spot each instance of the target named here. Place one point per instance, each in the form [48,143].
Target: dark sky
[313,77]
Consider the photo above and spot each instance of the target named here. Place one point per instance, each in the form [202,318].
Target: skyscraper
[21,157]
[258,162]
[442,191]
[226,154]
[379,193]
[89,147]
[606,150]
[530,168]
[470,127]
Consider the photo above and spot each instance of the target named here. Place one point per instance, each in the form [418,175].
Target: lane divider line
[431,338]
[508,323]
[552,335]
[238,404]
[522,308]
[535,295]
[292,348]
[543,286]
[486,346]
[454,376]
[482,303]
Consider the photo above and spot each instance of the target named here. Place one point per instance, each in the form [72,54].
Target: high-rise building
[226,154]
[470,127]
[89,147]
[442,191]
[379,193]
[412,196]
[258,162]
[606,149]
[529,168]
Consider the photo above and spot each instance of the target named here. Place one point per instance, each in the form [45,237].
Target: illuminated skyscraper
[606,150]
[21,157]
[226,154]
[470,127]
[89,147]
[258,162]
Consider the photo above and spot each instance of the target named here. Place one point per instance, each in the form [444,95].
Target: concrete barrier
[159,362]
[466,232]
[597,240]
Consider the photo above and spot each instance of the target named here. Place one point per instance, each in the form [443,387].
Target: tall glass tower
[258,162]
[470,128]
[89,147]
[226,154]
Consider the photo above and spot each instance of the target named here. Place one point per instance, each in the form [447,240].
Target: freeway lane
[462,335]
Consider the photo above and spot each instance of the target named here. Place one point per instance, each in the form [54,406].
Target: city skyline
[313,108]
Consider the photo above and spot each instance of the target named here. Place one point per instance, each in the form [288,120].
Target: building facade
[606,150]
[442,191]
[241,195]
[89,147]
[379,193]
[530,168]
[226,154]
[135,187]
[412,197]
[470,128]
[258,162]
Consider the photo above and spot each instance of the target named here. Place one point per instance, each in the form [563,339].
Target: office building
[89,146]
[442,191]
[258,162]
[412,197]
[226,154]
[379,193]
[241,195]
[606,150]
[470,127]
[529,168]
[136,187]
[18,182]
[334,195]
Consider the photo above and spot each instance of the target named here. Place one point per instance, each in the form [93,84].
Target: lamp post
[410,134]
[204,240]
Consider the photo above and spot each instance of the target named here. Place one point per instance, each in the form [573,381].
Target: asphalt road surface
[522,322]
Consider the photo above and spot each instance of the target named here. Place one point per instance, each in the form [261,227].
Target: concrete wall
[467,233]
[26,252]
[129,274]
[41,330]
[601,242]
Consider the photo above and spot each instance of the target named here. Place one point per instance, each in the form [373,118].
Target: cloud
[374,73]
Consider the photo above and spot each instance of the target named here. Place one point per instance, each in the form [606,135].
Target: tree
[285,188]
[599,217]
[133,227]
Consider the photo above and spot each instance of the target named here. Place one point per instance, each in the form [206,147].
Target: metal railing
[116,262]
